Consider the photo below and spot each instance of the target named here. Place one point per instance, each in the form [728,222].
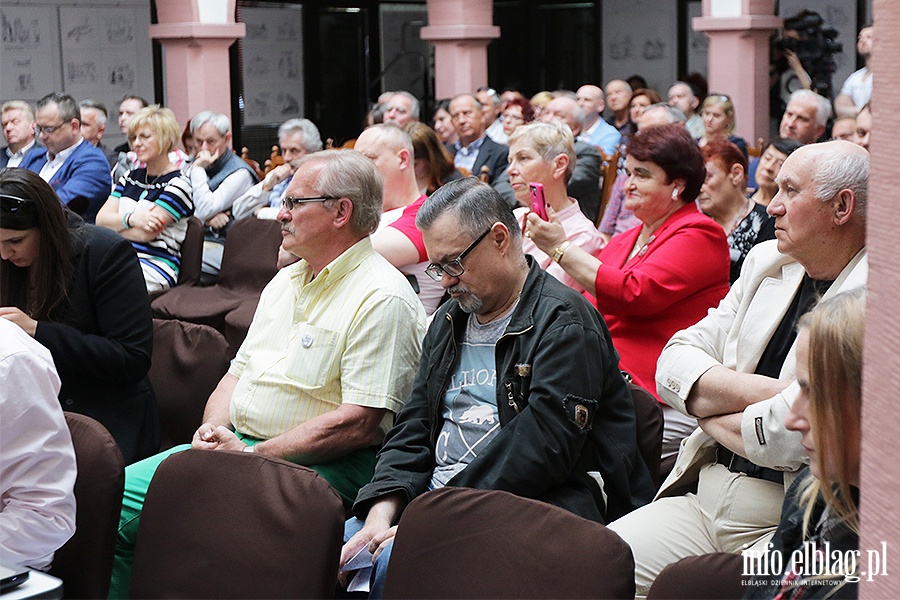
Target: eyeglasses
[12,204]
[46,130]
[512,117]
[290,202]
[453,268]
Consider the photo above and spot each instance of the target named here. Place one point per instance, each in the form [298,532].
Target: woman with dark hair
[443,124]
[820,514]
[433,163]
[641,98]
[78,290]
[516,112]
[768,167]
[659,277]
[722,197]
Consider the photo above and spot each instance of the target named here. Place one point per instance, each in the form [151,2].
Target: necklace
[739,218]
[148,186]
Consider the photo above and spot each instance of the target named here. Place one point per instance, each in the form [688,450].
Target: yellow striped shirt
[352,335]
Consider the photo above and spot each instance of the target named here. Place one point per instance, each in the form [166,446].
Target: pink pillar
[460,31]
[195,44]
[880,518]
[738,33]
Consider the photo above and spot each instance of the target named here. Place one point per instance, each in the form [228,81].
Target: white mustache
[288,227]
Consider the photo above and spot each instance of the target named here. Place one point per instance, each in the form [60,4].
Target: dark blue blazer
[83,182]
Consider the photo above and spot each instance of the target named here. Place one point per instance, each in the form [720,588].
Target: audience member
[77,171]
[400,108]
[491,107]
[150,205]
[475,152]
[297,138]
[844,128]
[863,126]
[218,178]
[618,96]
[93,126]
[37,465]
[18,131]
[717,113]
[640,100]
[78,290]
[683,97]
[510,94]
[584,181]
[723,198]
[805,117]
[820,515]
[539,101]
[433,163]
[397,239]
[544,153]
[727,486]
[516,112]
[128,106]
[637,82]
[312,383]
[857,89]
[443,123]
[551,418]
[596,131]
[661,276]
[768,167]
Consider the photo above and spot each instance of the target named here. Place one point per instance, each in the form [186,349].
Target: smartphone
[538,204]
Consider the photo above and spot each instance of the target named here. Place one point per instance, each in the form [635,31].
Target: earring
[674,193]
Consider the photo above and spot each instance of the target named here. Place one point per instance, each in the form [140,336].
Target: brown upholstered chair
[498,545]
[248,263]
[649,418]
[191,256]
[85,562]
[237,323]
[188,362]
[237,525]
[713,576]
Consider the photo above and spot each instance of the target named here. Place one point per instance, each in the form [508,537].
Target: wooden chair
[245,156]
[757,150]
[275,159]
[609,169]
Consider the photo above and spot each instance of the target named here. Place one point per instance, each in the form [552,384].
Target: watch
[559,251]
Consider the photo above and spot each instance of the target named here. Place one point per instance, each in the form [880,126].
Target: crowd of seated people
[479,242]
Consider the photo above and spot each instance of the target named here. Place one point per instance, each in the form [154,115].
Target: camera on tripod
[815,47]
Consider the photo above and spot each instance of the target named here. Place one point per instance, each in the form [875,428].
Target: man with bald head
[618,97]
[584,185]
[734,370]
[596,132]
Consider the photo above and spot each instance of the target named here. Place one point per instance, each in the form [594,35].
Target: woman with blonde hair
[150,205]
[821,509]
[718,121]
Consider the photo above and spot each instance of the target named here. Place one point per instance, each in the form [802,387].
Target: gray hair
[19,105]
[218,120]
[413,99]
[66,105]
[102,113]
[476,206]
[823,106]
[477,102]
[312,140]
[836,171]
[674,114]
[549,140]
[392,136]
[349,174]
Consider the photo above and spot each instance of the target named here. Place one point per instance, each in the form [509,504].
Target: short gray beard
[469,303]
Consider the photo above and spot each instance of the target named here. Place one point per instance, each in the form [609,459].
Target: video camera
[815,46]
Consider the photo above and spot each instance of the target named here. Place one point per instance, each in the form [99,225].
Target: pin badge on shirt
[306,341]
[581,415]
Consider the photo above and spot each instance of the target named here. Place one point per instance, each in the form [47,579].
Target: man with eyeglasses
[76,170]
[518,388]
[331,353]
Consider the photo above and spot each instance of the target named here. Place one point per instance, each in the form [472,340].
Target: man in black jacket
[518,387]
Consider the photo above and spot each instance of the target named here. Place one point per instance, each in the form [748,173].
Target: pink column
[738,33]
[460,31]
[195,53]
[881,372]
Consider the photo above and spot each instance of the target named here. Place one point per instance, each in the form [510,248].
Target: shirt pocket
[311,355]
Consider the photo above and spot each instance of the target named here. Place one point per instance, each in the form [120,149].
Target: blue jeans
[379,573]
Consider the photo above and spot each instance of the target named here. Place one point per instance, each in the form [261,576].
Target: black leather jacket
[566,414]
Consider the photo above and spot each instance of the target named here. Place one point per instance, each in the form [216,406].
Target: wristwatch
[559,251]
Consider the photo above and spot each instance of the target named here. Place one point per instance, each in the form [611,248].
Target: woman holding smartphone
[541,161]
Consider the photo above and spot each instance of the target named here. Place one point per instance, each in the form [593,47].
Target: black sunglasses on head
[12,204]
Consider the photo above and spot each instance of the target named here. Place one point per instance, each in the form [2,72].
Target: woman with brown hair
[433,163]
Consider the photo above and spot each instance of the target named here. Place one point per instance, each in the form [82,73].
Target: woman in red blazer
[660,277]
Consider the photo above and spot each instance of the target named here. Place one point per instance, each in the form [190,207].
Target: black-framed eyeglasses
[290,202]
[12,204]
[454,268]
[38,130]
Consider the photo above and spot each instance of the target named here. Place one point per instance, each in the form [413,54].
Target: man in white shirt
[491,107]
[682,97]
[18,131]
[857,89]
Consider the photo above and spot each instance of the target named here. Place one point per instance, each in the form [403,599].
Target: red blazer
[667,287]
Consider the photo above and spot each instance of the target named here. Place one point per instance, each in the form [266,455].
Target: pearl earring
[675,194]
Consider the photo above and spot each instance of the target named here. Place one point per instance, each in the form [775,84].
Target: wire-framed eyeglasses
[290,202]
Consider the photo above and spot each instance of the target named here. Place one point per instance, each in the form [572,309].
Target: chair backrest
[245,156]
[191,253]
[188,361]
[466,543]
[275,159]
[609,168]
[250,258]
[713,576]
[85,562]
[237,525]
[649,419]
